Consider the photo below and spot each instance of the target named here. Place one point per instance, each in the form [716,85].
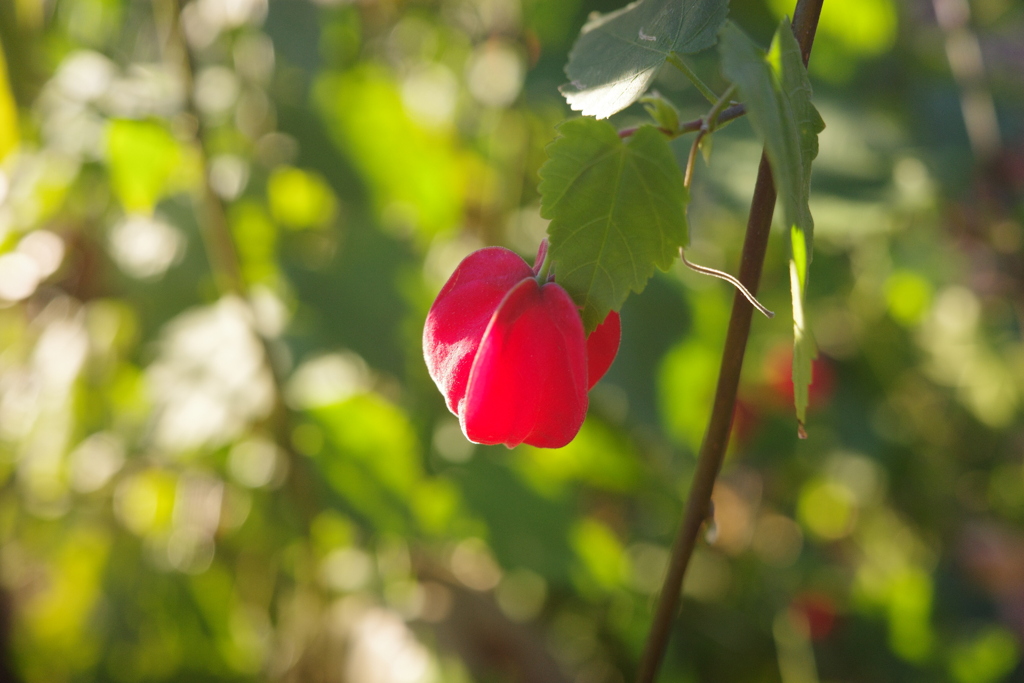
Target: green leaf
[617,54]
[599,550]
[777,93]
[373,458]
[141,157]
[663,112]
[804,348]
[617,210]
[707,143]
[416,174]
[788,67]
[9,135]
[300,199]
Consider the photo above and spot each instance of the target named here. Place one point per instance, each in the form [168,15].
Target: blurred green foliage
[207,483]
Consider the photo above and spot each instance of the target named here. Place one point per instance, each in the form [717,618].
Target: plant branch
[691,158]
[716,439]
[728,114]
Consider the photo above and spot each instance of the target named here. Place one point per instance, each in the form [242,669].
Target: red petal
[528,383]
[460,314]
[602,345]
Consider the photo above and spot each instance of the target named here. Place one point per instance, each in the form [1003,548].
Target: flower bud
[509,354]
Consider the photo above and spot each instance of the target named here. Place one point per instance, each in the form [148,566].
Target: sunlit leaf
[59,612]
[777,93]
[141,156]
[416,175]
[598,456]
[8,112]
[378,434]
[910,601]
[145,502]
[256,240]
[373,460]
[617,210]
[986,658]
[827,509]
[600,552]
[848,34]
[617,54]
[300,199]
[864,28]
[908,296]
[329,530]
[687,388]
[804,348]
[435,502]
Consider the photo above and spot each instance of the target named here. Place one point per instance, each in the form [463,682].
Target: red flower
[509,353]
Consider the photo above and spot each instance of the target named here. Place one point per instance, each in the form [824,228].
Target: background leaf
[617,54]
[777,92]
[416,172]
[8,112]
[141,156]
[617,210]
[300,199]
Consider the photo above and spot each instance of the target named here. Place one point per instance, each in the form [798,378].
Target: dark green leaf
[778,104]
[617,54]
[777,93]
[617,210]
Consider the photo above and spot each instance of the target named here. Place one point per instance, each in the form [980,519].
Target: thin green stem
[719,107]
[545,267]
[716,439]
[691,160]
[675,60]
[707,126]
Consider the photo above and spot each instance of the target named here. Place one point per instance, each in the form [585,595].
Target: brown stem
[692,158]
[716,440]
[707,126]
[728,114]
